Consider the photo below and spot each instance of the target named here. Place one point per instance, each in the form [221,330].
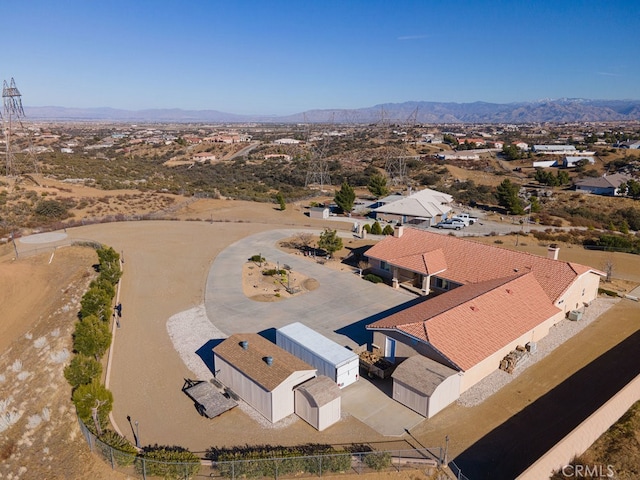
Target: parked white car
[451,223]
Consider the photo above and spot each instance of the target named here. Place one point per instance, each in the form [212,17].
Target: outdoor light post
[137,435]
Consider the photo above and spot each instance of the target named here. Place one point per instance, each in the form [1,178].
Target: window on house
[442,284]
[385,266]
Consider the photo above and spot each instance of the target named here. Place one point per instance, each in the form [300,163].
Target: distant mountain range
[555,111]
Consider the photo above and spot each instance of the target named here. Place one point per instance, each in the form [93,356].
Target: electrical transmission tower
[13,113]
[396,158]
[318,172]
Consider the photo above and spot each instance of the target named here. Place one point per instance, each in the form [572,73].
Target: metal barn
[424,385]
[331,359]
[261,373]
[318,402]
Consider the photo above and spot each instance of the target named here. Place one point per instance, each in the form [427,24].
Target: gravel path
[558,334]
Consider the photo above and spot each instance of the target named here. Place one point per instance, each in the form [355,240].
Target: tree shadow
[356,255]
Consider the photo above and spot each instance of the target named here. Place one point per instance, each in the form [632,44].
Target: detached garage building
[261,373]
[331,359]
[424,385]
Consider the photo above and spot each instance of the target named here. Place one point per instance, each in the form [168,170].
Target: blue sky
[280,57]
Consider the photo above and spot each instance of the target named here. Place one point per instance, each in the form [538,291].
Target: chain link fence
[428,460]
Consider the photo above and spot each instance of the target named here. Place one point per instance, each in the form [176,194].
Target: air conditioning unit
[531,347]
[575,315]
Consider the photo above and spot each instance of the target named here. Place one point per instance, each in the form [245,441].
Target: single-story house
[203,157]
[426,207]
[261,373]
[424,385]
[554,149]
[318,402]
[605,185]
[481,301]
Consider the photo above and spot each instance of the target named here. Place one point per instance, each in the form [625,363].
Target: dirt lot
[39,296]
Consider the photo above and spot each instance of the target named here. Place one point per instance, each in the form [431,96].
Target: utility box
[575,315]
[335,361]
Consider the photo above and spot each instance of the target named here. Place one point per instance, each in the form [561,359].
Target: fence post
[359,463]
[111,455]
[144,469]
[320,465]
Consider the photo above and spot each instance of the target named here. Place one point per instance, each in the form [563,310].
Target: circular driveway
[338,309]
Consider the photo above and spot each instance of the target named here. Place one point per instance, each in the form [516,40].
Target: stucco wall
[583,436]
[583,290]
[492,362]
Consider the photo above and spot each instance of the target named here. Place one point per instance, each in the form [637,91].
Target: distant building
[426,207]
[605,185]
[286,141]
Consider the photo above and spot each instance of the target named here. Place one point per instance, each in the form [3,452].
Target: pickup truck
[466,218]
[451,223]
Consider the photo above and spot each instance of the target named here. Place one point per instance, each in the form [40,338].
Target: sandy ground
[166,265]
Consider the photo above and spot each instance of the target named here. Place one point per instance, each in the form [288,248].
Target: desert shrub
[376,229]
[51,209]
[370,277]
[257,258]
[367,228]
[388,230]
[96,301]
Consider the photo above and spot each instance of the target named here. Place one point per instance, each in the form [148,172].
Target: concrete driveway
[339,309]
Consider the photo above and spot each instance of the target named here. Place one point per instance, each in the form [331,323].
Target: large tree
[330,241]
[93,404]
[82,370]
[507,193]
[345,197]
[378,186]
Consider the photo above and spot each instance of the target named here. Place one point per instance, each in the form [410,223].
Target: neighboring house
[522,146]
[286,141]
[261,373]
[463,155]
[605,185]
[426,207]
[487,300]
[633,144]
[554,149]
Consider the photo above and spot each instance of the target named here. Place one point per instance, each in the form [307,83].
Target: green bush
[96,302]
[87,397]
[378,460]
[388,230]
[376,229]
[270,272]
[82,370]
[367,228]
[257,259]
[168,462]
[91,337]
[114,445]
[370,277]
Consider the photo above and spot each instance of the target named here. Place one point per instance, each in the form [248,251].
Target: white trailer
[335,361]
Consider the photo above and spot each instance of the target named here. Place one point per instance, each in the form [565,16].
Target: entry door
[390,349]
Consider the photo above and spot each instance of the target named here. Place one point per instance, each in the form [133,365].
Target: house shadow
[205,352]
[268,334]
[510,448]
[358,333]
[356,255]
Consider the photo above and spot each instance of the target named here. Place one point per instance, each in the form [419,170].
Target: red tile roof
[471,262]
[471,322]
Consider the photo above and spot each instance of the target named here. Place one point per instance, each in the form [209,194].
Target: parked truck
[331,359]
[466,218]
